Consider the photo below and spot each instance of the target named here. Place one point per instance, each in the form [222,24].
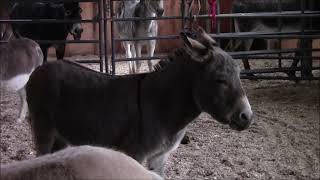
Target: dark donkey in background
[143,115]
[271,25]
[48,31]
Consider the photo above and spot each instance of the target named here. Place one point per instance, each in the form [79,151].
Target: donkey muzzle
[160,12]
[76,31]
[242,119]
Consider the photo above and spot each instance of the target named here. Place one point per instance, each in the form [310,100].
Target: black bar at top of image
[52,1]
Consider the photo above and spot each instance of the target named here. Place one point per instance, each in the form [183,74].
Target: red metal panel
[225,8]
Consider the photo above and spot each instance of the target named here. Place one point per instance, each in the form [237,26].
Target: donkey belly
[100,117]
[80,128]
[15,83]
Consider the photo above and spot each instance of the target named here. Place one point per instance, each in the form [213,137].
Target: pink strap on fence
[213,9]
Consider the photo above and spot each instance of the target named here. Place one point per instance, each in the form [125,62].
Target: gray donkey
[136,29]
[143,115]
[18,58]
[78,163]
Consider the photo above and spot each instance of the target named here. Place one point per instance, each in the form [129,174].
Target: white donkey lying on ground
[78,163]
[139,29]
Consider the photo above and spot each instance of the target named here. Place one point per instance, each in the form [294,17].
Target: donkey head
[73,12]
[155,5]
[217,88]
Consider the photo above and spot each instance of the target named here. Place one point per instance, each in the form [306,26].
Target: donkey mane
[179,56]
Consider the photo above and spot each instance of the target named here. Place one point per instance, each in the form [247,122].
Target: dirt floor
[283,142]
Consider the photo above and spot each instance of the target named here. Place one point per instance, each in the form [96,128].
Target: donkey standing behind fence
[143,115]
[78,163]
[272,25]
[139,29]
[48,31]
[18,58]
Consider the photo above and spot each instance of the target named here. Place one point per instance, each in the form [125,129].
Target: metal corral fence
[106,16]
[279,54]
[100,18]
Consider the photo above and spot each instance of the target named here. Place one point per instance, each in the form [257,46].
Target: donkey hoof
[185,140]
[20,119]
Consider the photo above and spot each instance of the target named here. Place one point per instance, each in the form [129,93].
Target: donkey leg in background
[133,55]
[128,50]
[60,50]
[247,45]
[151,48]
[138,48]
[292,74]
[297,55]
[306,61]
[156,162]
[23,105]
[44,50]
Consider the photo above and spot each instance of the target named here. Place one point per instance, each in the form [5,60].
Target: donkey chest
[146,29]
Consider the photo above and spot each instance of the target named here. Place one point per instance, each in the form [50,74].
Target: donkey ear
[207,37]
[191,43]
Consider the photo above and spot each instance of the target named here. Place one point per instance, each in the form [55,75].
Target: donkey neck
[128,8]
[169,95]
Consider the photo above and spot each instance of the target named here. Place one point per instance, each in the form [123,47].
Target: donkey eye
[221,81]
[214,44]
[68,12]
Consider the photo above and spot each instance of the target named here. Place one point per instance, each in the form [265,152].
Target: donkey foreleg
[156,162]
[151,48]
[23,105]
[128,50]
[43,129]
[60,50]
[238,42]
[138,48]
[132,64]
[133,50]
[247,45]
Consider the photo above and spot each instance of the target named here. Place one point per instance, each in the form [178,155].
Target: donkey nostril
[244,117]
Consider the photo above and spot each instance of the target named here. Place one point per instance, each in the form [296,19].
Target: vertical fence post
[182,9]
[113,72]
[100,17]
[306,61]
[218,20]
[279,46]
[105,28]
